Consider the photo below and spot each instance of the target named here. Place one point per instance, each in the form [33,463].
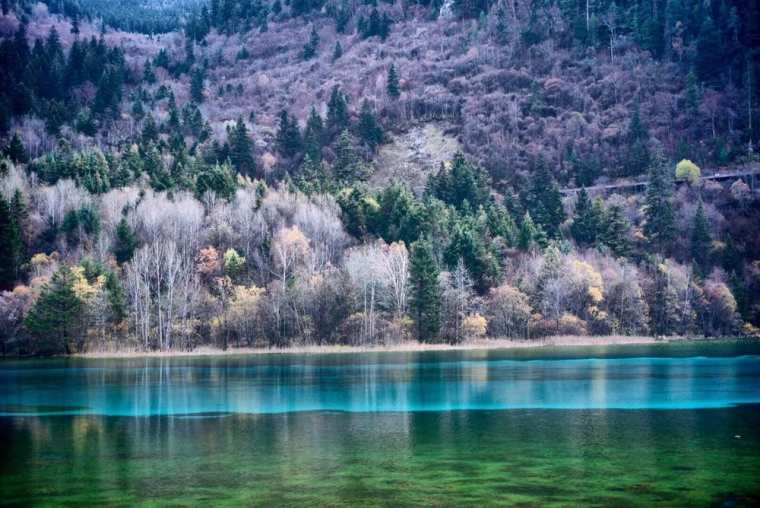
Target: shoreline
[404,347]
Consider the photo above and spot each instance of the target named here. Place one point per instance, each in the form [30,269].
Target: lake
[672,425]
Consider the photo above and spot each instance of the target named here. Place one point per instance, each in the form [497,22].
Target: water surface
[673,425]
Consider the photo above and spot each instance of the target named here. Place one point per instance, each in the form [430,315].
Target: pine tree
[314,135]
[585,226]
[11,246]
[16,151]
[310,48]
[425,292]
[54,318]
[392,86]
[544,201]
[347,167]
[369,129]
[701,241]
[638,158]
[337,51]
[616,232]
[196,86]
[337,111]
[288,136]
[659,226]
[126,242]
[527,234]
[241,148]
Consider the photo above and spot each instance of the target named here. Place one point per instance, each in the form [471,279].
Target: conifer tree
[638,158]
[314,135]
[11,245]
[196,86]
[659,225]
[544,201]
[392,86]
[54,318]
[425,291]
[616,231]
[241,148]
[310,48]
[337,111]
[585,224]
[288,136]
[369,129]
[16,151]
[337,51]
[126,242]
[348,167]
[701,241]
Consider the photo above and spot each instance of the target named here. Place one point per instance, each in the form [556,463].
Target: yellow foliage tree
[687,170]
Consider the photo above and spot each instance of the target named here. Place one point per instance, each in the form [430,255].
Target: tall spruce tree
[337,112]
[369,129]
[11,246]
[288,136]
[314,135]
[54,319]
[241,148]
[196,86]
[392,85]
[615,232]
[126,242]
[425,291]
[585,226]
[310,48]
[15,150]
[544,201]
[701,240]
[659,225]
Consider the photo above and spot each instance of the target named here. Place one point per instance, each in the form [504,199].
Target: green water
[697,454]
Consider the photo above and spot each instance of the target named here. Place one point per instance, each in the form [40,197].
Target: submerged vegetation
[216,184]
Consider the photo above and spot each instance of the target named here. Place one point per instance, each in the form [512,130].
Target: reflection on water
[535,457]
[410,382]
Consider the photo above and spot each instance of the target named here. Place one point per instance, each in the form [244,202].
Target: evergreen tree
[528,233]
[241,148]
[463,184]
[659,225]
[15,150]
[54,318]
[288,136]
[616,232]
[369,129]
[310,48]
[466,245]
[337,51]
[544,201]
[701,241]
[11,245]
[348,168]
[337,111]
[117,300]
[126,242]
[392,85]
[425,291]
[314,135]
[638,157]
[196,86]
[218,179]
[585,226]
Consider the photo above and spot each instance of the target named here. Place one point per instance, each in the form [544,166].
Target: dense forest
[185,173]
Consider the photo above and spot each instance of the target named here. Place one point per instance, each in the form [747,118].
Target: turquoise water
[672,425]
[383,382]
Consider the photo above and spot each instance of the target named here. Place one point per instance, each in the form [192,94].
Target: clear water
[672,425]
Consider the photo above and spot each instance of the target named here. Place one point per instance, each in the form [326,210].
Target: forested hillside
[246,172]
